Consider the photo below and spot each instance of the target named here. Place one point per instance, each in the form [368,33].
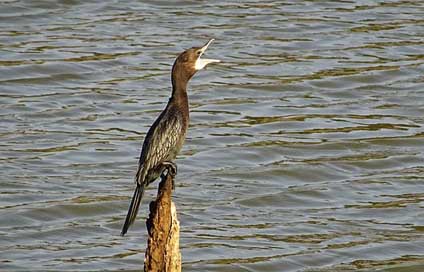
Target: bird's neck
[179,88]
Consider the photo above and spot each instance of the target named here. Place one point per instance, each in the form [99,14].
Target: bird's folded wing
[161,142]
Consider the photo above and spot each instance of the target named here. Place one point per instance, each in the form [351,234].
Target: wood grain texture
[163,253]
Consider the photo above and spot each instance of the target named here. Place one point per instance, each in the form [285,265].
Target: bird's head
[190,61]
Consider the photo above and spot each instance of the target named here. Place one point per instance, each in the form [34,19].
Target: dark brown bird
[167,134]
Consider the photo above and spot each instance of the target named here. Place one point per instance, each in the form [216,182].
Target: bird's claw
[171,168]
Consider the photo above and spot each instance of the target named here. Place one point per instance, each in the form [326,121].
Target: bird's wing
[160,141]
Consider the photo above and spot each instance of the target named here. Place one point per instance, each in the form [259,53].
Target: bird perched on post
[167,134]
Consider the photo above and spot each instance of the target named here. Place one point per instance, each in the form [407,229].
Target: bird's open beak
[201,63]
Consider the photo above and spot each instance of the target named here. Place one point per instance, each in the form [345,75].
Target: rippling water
[305,150]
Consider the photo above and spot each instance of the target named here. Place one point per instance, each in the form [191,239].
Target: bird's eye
[198,53]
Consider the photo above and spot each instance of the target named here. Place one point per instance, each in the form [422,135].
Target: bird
[167,134]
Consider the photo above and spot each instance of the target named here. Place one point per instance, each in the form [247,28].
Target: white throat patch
[201,63]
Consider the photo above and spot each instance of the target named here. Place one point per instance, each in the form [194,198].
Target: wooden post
[163,246]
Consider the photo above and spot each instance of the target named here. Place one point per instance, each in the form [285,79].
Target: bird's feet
[171,168]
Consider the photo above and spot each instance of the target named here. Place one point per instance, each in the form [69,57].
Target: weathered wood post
[163,246]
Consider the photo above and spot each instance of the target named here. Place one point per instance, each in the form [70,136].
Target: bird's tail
[132,211]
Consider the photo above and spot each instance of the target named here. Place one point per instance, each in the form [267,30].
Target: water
[304,153]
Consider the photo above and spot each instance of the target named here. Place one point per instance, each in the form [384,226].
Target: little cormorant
[167,134]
